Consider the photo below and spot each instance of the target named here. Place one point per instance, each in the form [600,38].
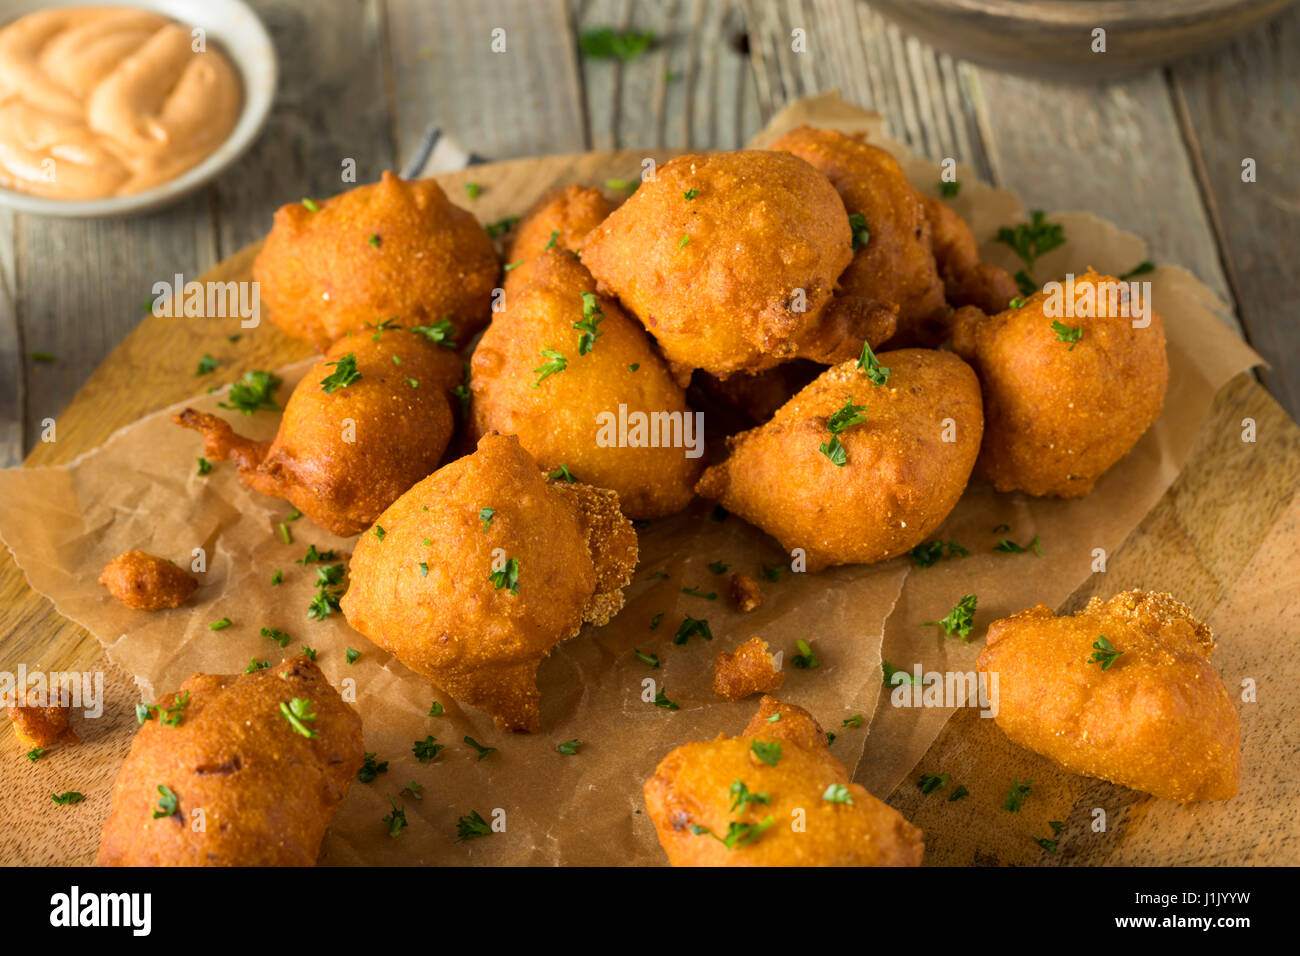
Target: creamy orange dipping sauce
[106,101]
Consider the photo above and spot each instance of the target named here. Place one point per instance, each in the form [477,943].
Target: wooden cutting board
[1225,532]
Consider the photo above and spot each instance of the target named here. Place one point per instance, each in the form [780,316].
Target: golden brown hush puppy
[893,259]
[369,420]
[484,566]
[1065,397]
[852,471]
[39,727]
[1123,690]
[147,582]
[729,259]
[391,248]
[746,671]
[263,760]
[966,280]
[772,797]
[560,220]
[562,368]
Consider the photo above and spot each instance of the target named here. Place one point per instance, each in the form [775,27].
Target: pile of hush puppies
[811,291]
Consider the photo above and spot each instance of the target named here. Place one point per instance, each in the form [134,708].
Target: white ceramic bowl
[232,26]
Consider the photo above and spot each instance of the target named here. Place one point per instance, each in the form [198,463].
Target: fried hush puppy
[38,727]
[484,566]
[966,280]
[267,757]
[391,248]
[1065,398]
[369,420]
[1123,690]
[747,671]
[853,472]
[773,796]
[560,366]
[729,260]
[893,259]
[147,582]
[561,219]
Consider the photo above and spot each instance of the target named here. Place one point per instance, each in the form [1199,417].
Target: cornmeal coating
[560,220]
[746,671]
[1157,719]
[698,785]
[745,592]
[484,567]
[39,727]
[966,280]
[734,278]
[571,417]
[222,745]
[1060,413]
[394,249]
[896,264]
[147,582]
[343,456]
[905,465]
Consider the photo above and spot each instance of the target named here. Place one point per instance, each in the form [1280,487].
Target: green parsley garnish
[396,820]
[280,637]
[313,555]
[501,226]
[592,316]
[352,655]
[378,531]
[255,665]
[36,753]
[605,43]
[890,671]
[168,802]
[485,515]
[1016,796]
[253,393]
[67,798]
[310,204]
[436,709]
[473,190]
[929,554]
[371,768]
[205,466]
[1141,269]
[691,193]
[767,751]
[344,374]
[930,782]
[661,700]
[550,243]
[470,826]
[947,189]
[206,364]
[696,592]
[861,234]
[855,721]
[845,418]
[507,577]
[1029,241]
[441,333]
[569,747]
[738,833]
[556,363]
[482,751]
[426,749]
[868,362]
[742,796]
[1104,654]
[298,712]
[145,712]
[691,627]
[1066,334]
[562,474]
[650,660]
[957,794]
[717,567]
[1007,546]
[959,619]
[805,659]
[838,793]
[220,625]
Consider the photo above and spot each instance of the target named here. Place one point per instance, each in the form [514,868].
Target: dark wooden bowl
[1054,37]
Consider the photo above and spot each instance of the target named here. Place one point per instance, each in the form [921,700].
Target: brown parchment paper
[140,489]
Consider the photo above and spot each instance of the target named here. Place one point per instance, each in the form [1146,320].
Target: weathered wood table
[1159,155]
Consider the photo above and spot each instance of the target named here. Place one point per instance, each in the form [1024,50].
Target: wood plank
[1242,102]
[330,106]
[1115,150]
[12,370]
[525,101]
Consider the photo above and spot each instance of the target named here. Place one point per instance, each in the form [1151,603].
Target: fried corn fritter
[235,770]
[38,727]
[147,582]
[560,220]
[966,280]
[893,260]
[773,796]
[569,416]
[853,472]
[484,566]
[388,249]
[1123,690]
[746,671]
[729,260]
[1065,398]
[369,420]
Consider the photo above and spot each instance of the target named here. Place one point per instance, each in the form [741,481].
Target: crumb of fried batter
[745,593]
[147,582]
[747,671]
[39,727]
